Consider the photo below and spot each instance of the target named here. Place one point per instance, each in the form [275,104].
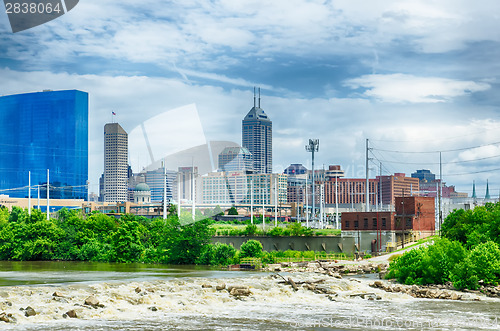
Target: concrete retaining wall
[329,244]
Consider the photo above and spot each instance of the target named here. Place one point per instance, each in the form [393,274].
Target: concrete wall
[364,239]
[330,244]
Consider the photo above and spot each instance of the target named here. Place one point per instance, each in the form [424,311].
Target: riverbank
[211,299]
[340,269]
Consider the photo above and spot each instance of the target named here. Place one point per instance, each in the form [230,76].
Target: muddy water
[172,298]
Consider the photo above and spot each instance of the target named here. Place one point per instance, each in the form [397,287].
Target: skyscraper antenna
[254,96]
[259,97]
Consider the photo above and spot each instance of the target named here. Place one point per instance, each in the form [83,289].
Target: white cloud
[396,88]
[195,32]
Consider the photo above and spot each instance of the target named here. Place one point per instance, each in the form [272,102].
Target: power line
[440,139]
[433,152]
[471,173]
[444,163]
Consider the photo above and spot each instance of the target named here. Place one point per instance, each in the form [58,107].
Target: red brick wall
[349,221]
[421,209]
[418,212]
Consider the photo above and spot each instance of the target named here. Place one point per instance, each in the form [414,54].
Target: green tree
[217,211]
[186,243]
[232,211]
[251,248]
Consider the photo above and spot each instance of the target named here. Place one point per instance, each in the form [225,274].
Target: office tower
[40,131]
[159,179]
[115,163]
[185,177]
[257,136]
[236,159]
[234,187]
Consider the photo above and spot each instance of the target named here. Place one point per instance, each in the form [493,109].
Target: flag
[113,113]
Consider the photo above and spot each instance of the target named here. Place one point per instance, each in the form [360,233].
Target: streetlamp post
[312,147]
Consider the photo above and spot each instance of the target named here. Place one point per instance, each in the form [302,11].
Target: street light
[312,147]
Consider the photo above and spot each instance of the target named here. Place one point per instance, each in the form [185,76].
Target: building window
[347,224]
[384,222]
[356,224]
[374,222]
[365,223]
[408,223]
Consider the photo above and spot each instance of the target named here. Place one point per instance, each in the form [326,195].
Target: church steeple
[487,195]
[474,189]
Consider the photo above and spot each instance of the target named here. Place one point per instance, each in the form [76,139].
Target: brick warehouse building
[351,190]
[418,214]
[396,185]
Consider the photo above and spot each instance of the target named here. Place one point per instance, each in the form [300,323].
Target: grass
[419,242]
[226,229]
[327,232]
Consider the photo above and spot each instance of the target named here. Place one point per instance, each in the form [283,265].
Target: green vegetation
[98,237]
[251,248]
[232,211]
[282,230]
[468,253]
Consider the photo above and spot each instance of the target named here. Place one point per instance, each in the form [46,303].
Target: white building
[142,194]
[234,187]
[115,163]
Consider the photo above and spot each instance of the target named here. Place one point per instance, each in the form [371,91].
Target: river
[157,297]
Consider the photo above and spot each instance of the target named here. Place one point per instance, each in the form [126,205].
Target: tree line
[467,254]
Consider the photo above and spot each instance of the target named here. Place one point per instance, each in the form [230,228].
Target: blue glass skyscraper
[40,131]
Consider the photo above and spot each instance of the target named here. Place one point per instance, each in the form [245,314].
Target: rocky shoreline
[338,269]
[332,268]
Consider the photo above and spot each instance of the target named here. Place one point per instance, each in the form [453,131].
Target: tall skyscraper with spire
[257,137]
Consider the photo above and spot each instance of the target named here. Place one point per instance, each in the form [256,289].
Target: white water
[182,304]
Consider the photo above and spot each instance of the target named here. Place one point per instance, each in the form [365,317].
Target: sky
[413,77]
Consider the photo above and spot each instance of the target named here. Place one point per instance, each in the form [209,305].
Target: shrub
[250,230]
[485,262]
[223,254]
[409,265]
[440,259]
[232,211]
[276,231]
[251,248]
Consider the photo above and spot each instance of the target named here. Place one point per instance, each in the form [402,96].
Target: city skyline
[409,76]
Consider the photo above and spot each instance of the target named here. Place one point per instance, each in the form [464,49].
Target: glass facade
[40,131]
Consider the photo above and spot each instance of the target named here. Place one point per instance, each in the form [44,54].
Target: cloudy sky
[411,76]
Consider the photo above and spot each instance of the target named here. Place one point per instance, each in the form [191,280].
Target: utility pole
[276,201]
[323,207]
[440,191]
[380,184]
[367,197]
[336,203]
[297,199]
[251,201]
[48,189]
[307,207]
[179,196]
[263,205]
[29,193]
[404,221]
[164,190]
[193,196]
[312,147]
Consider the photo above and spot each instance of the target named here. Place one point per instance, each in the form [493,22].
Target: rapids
[141,297]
